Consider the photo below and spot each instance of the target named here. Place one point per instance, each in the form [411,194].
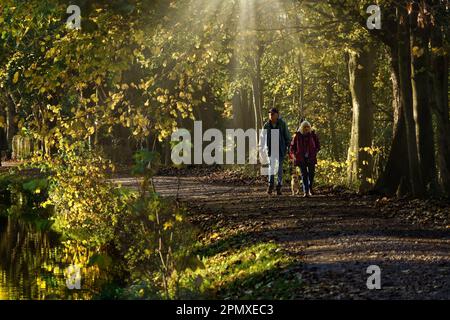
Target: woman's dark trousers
[308,171]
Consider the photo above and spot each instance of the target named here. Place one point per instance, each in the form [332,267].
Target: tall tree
[361,67]
[419,38]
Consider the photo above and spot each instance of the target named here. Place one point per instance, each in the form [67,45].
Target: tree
[361,67]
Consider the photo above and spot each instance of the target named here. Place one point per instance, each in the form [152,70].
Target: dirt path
[334,238]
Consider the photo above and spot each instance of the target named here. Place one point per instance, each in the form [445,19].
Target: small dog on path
[295,182]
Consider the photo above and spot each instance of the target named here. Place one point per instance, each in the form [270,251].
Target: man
[276,123]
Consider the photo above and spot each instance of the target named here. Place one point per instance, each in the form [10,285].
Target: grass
[256,271]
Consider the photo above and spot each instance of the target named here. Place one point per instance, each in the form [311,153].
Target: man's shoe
[279,190]
[305,195]
[310,194]
[269,189]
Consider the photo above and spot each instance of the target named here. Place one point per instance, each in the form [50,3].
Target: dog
[295,182]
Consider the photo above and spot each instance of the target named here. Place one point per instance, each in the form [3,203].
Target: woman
[304,148]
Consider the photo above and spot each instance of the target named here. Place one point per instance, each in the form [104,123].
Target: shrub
[155,238]
[147,235]
[86,204]
[331,172]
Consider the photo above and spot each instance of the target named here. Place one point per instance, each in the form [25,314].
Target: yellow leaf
[46,204]
[417,52]
[215,235]
[16,77]
[168,225]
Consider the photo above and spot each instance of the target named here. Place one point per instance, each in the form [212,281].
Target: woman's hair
[303,125]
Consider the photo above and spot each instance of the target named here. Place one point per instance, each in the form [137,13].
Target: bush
[86,204]
[155,239]
[147,236]
[331,173]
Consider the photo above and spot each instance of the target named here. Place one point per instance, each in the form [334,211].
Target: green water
[34,264]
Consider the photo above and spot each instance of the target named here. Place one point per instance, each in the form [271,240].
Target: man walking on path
[276,123]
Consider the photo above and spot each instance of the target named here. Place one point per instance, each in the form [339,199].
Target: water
[34,263]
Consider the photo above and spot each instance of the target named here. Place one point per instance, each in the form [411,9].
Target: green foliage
[146,163]
[155,238]
[151,237]
[36,185]
[23,191]
[258,271]
[86,204]
[156,242]
[331,173]
[133,73]
[103,261]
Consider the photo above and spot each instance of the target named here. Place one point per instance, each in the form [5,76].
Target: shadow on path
[334,238]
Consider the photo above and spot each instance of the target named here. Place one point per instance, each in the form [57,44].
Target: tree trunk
[421,101]
[301,94]
[11,126]
[249,119]
[257,88]
[238,119]
[397,164]
[404,59]
[361,66]
[439,75]
[332,125]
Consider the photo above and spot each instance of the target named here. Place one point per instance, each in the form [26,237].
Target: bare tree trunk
[332,125]
[361,67]
[439,75]
[237,109]
[11,126]
[404,59]
[249,120]
[396,168]
[421,101]
[301,94]
[257,88]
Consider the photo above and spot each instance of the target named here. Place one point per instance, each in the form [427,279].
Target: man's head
[273,115]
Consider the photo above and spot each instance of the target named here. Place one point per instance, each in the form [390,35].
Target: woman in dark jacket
[304,148]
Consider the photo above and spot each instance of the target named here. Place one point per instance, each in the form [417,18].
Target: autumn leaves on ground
[327,242]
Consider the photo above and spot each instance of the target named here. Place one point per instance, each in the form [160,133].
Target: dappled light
[224,150]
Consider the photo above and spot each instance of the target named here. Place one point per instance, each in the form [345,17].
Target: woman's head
[305,127]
